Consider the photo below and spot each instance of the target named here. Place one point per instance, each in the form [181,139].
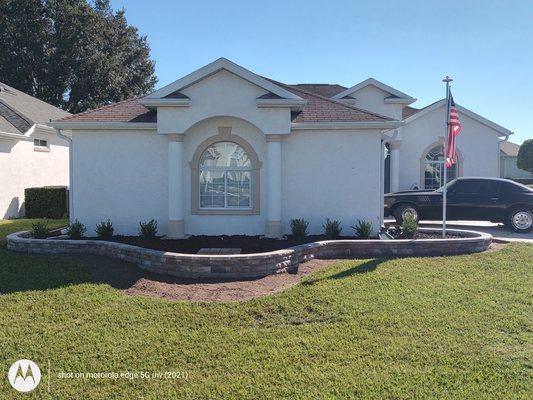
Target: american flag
[454,129]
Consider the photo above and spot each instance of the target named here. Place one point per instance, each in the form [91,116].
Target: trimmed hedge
[46,202]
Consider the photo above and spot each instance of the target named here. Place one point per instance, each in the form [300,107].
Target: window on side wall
[40,145]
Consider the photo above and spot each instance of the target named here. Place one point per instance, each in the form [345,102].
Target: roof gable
[441,103]
[395,94]
[213,68]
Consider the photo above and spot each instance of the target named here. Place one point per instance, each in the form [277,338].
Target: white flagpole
[447,122]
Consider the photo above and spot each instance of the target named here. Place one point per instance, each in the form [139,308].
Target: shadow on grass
[23,272]
[364,268]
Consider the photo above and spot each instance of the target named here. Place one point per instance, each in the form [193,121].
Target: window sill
[226,211]
[42,149]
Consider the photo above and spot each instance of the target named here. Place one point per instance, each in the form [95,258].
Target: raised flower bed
[244,266]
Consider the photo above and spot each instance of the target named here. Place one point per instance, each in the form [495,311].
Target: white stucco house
[31,153]
[226,151]
[508,162]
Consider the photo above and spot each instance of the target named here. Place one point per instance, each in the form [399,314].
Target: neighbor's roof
[20,111]
[509,148]
[318,109]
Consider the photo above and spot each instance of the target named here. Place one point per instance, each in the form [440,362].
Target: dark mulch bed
[247,244]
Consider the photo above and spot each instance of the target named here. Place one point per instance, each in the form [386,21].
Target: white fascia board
[484,121]
[92,125]
[441,103]
[399,100]
[295,105]
[12,136]
[345,125]
[40,129]
[379,85]
[165,102]
[213,68]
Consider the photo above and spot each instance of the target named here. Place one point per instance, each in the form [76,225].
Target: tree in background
[525,156]
[73,54]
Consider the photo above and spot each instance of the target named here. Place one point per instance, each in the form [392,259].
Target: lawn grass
[8,226]
[445,327]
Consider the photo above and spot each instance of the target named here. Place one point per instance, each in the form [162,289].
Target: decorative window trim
[440,142]
[224,135]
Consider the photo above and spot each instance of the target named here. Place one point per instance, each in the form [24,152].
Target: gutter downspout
[500,154]
[70,180]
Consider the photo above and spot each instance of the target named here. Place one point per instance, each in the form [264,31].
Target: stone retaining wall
[253,265]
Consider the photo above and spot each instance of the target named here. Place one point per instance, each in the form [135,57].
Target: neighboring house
[508,168]
[225,151]
[31,153]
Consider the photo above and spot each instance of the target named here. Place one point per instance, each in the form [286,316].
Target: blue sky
[486,46]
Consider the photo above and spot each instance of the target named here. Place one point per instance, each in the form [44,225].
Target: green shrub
[46,202]
[299,228]
[105,230]
[409,226]
[524,159]
[40,229]
[363,229]
[148,229]
[332,229]
[76,230]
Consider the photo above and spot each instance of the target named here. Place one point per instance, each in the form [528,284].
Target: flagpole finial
[447,79]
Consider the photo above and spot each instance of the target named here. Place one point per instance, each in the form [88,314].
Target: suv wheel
[520,220]
[405,210]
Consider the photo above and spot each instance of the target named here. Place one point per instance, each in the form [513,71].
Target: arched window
[434,168]
[225,177]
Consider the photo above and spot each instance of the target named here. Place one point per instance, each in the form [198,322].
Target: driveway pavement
[498,231]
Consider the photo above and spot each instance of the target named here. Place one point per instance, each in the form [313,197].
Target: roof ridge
[99,108]
[316,84]
[333,101]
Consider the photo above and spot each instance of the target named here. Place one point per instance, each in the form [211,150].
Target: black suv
[484,199]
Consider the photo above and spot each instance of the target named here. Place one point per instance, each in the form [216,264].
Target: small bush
[46,202]
[332,229]
[76,230]
[363,229]
[40,229]
[299,228]
[105,230]
[409,226]
[148,229]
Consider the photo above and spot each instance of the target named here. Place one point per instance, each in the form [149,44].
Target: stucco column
[273,172]
[176,228]
[395,165]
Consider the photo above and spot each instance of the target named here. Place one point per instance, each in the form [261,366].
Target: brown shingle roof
[318,109]
[124,111]
[323,109]
[509,148]
[322,89]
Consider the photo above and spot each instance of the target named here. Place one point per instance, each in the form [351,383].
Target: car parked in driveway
[483,199]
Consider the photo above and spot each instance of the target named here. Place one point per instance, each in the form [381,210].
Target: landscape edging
[246,266]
